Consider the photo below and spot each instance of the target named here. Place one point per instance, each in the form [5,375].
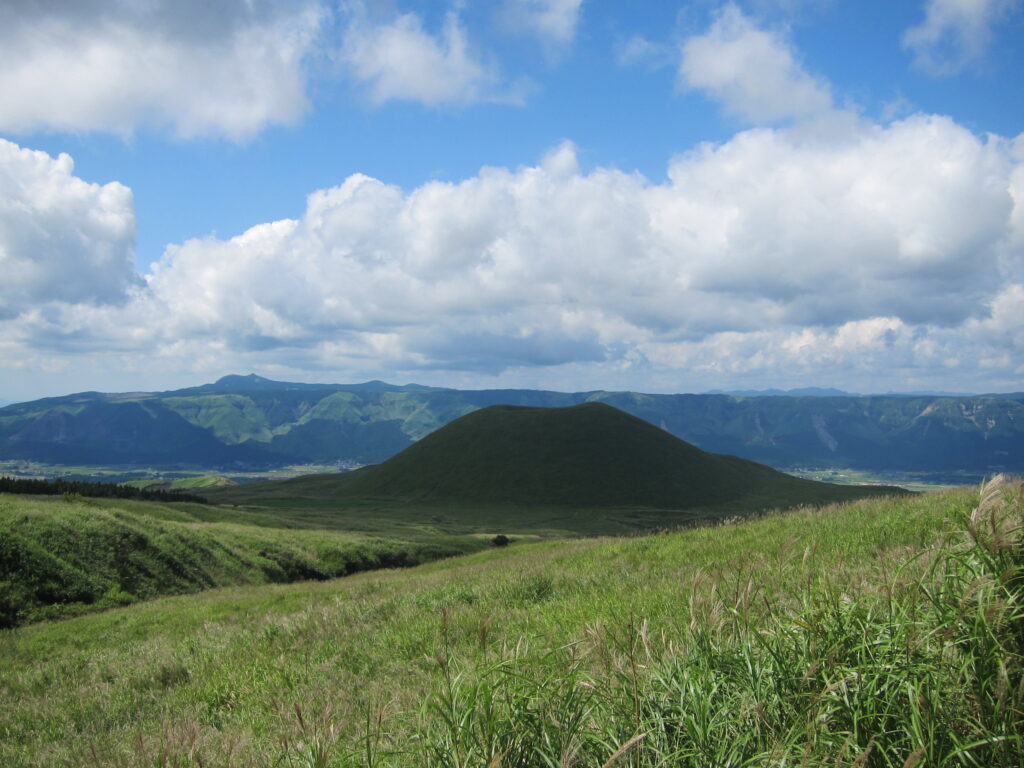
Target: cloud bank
[235,67]
[815,247]
[775,254]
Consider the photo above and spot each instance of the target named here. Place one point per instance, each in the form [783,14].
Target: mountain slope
[255,421]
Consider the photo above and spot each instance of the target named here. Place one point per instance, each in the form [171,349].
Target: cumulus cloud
[400,60]
[911,216]
[954,33]
[775,254]
[871,354]
[752,72]
[851,254]
[61,238]
[779,254]
[227,68]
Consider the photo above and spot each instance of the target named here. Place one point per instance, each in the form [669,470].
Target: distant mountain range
[251,421]
[802,392]
[826,392]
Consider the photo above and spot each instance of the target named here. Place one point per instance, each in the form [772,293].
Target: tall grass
[924,669]
[881,633]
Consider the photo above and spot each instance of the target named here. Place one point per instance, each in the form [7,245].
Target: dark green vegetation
[886,632]
[248,421]
[96,490]
[66,556]
[157,478]
[583,469]
[589,455]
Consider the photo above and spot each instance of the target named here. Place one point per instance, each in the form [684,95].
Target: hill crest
[588,455]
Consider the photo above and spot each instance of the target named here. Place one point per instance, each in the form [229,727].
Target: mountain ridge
[252,421]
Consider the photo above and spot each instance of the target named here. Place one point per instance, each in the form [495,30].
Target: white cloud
[910,217]
[774,255]
[639,51]
[400,60]
[1017,191]
[226,68]
[61,239]
[886,254]
[553,21]
[954,33]
[753,73]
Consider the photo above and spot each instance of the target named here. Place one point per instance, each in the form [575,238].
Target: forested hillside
[252,421]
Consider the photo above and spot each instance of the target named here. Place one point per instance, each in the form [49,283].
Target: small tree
[501,540]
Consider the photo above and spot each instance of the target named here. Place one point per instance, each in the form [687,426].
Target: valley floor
[912,481]
[198,478]
[883,632]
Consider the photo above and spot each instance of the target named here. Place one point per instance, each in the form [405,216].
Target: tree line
[85,488]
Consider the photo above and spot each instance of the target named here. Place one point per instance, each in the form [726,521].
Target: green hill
[886,632]
[519,464]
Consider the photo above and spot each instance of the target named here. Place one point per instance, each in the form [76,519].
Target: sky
[561,194]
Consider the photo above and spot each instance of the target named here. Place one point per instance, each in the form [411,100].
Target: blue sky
[572,194]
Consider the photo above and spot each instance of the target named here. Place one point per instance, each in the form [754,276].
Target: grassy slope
[182,483]
[871,631]
[231,418]
[61,558]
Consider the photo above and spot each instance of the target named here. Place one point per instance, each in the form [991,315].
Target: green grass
[190,483]
[113,473]
[200,481]
[887,632]
[912,481]
[66,556]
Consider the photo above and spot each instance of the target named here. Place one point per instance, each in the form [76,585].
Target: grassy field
[63,556]
[912,481]
[144,476]
[191,483]
[886,632]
